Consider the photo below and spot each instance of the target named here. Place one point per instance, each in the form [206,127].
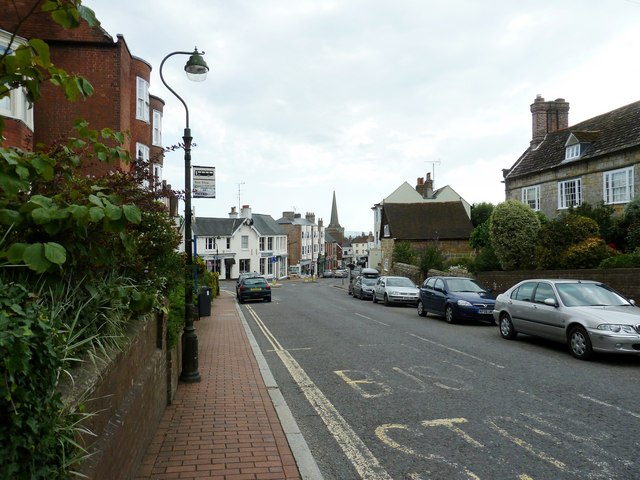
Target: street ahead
[381,393]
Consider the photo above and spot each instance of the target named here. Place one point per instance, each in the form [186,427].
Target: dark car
[254,288]
[456,298]
[244,275]
[363,287]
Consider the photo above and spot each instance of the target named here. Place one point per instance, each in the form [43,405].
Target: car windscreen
[369,281]
[589,294]
[399,282]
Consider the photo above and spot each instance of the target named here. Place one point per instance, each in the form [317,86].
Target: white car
[390,290]
[588,316]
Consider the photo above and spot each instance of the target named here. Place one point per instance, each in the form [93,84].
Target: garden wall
[624,280]
[127,397]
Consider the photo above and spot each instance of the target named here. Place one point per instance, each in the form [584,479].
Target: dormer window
[572,151]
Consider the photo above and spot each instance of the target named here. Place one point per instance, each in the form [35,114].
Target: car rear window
[255,281]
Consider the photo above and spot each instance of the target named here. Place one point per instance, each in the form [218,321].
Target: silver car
[395,290]
[586,315]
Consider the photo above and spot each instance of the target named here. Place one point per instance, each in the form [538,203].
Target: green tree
[403,252]
[481,212]
[514,231]
[429,258]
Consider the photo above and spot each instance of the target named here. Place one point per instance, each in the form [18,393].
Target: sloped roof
[265,225]
[606,134]
[427,221]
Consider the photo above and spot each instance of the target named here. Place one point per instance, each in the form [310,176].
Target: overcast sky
[305,97]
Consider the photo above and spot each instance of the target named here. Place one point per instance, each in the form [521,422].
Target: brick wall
[624,280]
[127,396]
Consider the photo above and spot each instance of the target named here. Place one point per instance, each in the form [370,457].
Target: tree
[514,232]
[481,212]
[403,252]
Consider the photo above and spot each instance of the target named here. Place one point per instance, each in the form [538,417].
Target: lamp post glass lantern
[196,69]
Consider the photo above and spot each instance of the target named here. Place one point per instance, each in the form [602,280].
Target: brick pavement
[225,426]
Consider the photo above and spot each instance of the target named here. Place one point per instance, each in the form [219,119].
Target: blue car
[456,298]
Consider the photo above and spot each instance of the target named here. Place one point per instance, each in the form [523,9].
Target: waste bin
[204,301]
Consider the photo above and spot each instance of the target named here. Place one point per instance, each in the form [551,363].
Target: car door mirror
[551,302]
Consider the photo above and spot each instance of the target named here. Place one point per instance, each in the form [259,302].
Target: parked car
[327,274]
[340,273]
[363,287]
[456,298]
[395,290]
[254,288]
[586,315]
[244,275]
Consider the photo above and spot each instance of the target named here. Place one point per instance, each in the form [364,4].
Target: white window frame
[156,168]
[157,128]
[142,99]
[617,186]
[15,105]
[569,193]
[209,243]
[143,153]
[244,242]
[572,151]
[531,197]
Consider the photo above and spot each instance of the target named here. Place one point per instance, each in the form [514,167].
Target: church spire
[334,223]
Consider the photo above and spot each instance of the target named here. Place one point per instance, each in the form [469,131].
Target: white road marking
[605,404]
[455,350]
[372,319]
[354,448]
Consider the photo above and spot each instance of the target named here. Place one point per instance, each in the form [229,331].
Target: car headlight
[610,327]
[464,303]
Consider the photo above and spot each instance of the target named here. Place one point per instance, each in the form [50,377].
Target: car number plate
[485,312]
[256,289]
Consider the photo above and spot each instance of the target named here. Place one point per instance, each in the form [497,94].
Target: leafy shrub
[627,260]
[429,258]
[403,252]
[586,254]
[514,231]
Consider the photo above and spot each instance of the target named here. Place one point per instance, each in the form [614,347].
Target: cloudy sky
[308,97]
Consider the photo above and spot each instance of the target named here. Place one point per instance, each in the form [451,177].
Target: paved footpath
[234,423]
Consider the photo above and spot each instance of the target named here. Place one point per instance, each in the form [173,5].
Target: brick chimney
[311,217]
[233,213]
[289,215]
[547,117]
[425,187]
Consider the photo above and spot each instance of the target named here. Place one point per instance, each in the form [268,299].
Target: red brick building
[121,99]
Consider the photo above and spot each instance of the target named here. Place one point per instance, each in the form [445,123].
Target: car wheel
[506,327]
[580,343]
[448,314]
[386,300]
[375,299]
[421,311]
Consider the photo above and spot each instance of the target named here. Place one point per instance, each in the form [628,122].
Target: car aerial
[586,315]
[395,290]
[254,288]
[363,287]
[456,298]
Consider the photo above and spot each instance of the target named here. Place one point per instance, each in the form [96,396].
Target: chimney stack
[233,213]
[246,212]
[547,117]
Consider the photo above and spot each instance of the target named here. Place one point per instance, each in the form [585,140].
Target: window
[15,104]
[142,154]
[270,243]
[524,292]
[157,175]
[157,128]
[618,186]
[261,244]
[142,99]
[572,151]
[245,265]
[228,243]
[210,244]
[244,242]
[570,193]
[543,292]
[531,197]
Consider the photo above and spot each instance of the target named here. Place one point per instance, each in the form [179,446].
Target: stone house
[595,161]
[425,225]
[241,243]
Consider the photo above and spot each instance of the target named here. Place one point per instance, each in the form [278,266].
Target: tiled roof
[606,134]
[427,221]
[225,227]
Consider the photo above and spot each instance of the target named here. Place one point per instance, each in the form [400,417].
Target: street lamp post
[196,70]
